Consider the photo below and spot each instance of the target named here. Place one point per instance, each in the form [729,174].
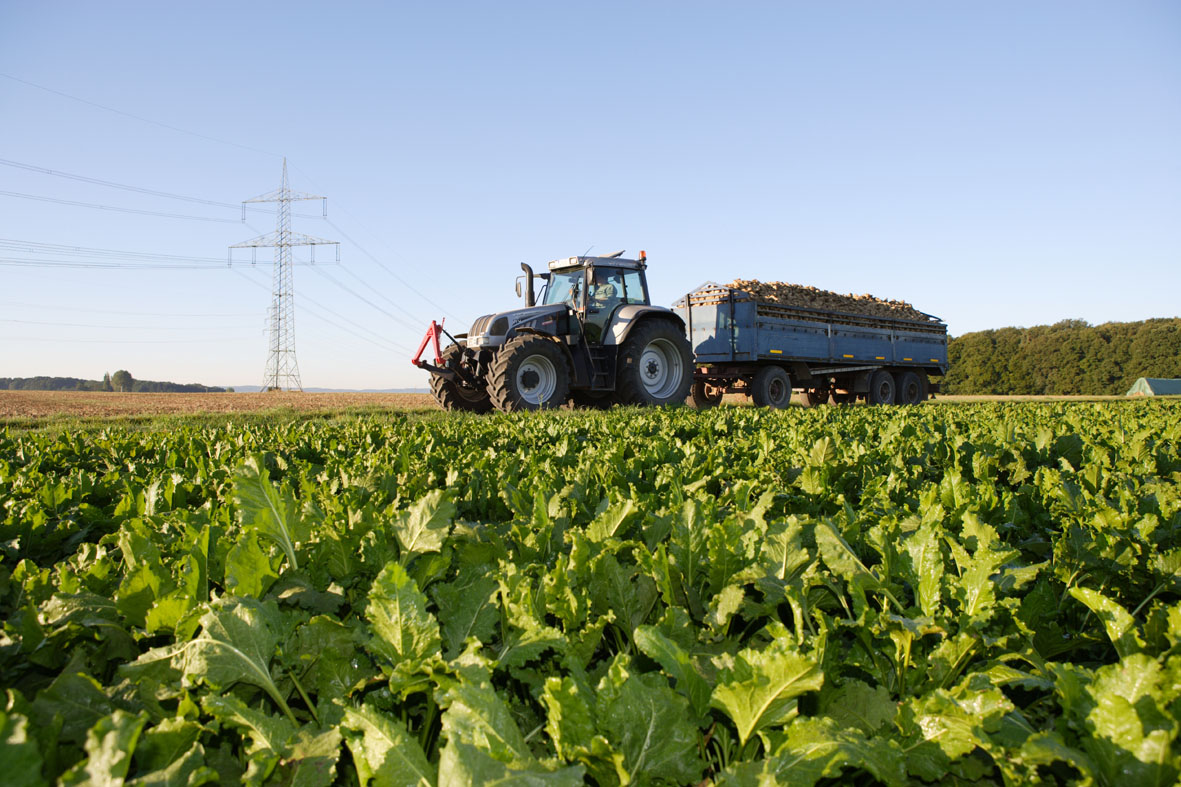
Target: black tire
[529,373]
[592,400]
[912,388]
[457,396]
[882,388]
[771,388]
[818,396]
[703,396]
[655,365]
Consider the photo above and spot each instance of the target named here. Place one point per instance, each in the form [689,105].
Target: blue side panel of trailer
[724,328]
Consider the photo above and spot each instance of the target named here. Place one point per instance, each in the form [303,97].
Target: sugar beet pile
[815,298]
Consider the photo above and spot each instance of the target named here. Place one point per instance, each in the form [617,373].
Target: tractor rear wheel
[529,373]
[771,387]
[456,395]
[655,365]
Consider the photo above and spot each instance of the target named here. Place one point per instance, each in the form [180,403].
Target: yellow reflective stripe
[848,356]
[778,352]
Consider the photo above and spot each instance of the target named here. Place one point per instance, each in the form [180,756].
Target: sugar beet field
[968,594]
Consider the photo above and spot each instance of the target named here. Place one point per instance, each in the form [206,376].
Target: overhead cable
[136,117]
[140,190]
[41,198]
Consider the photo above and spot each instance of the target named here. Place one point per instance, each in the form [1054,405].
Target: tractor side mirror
[518,283]
[590,277]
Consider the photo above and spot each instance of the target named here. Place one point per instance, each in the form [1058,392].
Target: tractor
[591,338]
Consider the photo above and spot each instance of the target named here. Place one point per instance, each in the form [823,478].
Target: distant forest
[119,381]
[1068,357]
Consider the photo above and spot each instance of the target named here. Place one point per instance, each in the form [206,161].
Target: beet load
[815,298]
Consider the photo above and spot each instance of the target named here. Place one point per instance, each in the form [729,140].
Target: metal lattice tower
[282,372]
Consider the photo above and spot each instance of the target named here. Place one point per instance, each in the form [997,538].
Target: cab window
[633,288]
[565,288]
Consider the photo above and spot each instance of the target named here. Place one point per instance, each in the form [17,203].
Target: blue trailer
[766,349]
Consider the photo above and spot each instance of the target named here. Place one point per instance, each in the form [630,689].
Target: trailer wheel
[912,388]
[529,373]
[456,395]
[771,387]
[818,396]
[704,395]
[882,388]
[655,365]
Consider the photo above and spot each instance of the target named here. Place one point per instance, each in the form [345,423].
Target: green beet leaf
[270,511]
[386,755]
[187,769]
[678,664]
[650,725]
[816,749]
[476,715]
[424,525]
[467,608]
[235,645]
[20,758]
[463,763]
[1120,626]
[404,632]
[109,745]
[760,689]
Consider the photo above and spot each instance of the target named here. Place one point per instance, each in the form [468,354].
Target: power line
[135,117]
[121,341]
[386,268]
[24,262]
[137,189]
[361,297]
[41,198]
[383,296]
[383,342]
[120,312]
[91,325]
[36,247]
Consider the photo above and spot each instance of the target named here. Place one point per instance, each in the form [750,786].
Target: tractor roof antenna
[282,370]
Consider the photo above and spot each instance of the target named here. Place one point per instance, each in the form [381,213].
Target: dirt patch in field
[87,404]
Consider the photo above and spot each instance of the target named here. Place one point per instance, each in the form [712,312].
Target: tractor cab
[593,288]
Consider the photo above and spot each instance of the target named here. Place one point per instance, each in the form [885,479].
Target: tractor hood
[492,330]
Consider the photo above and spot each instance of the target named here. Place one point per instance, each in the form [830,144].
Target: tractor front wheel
[529,373]
[455,394]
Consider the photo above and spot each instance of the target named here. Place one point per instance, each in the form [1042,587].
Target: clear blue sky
[995,163]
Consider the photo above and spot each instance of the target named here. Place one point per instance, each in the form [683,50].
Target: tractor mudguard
[628,316]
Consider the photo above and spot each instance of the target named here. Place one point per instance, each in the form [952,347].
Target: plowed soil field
[87,404]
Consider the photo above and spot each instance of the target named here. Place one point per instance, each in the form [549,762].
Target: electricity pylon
[282,372]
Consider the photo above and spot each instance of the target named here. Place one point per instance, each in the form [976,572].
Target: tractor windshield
[565,288]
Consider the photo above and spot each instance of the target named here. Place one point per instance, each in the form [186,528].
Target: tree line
[1068,357]
[119,381]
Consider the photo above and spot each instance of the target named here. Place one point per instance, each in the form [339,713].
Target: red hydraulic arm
[432,335]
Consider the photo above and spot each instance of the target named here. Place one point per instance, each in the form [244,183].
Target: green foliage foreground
[956,594]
